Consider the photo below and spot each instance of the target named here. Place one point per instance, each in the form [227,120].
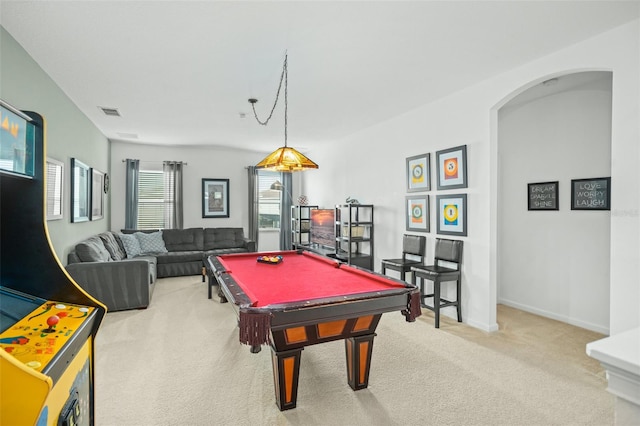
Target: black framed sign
[591,194]
[542,196]
[215,198]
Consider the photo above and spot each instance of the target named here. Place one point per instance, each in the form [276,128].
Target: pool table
[300,299]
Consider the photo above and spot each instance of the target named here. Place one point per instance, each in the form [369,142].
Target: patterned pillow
[112,246]
[131,245]
[151,242]
[92,250]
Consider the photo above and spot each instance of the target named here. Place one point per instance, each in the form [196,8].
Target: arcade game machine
[47,322]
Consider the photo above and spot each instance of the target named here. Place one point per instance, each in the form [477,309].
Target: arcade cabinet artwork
[47,322]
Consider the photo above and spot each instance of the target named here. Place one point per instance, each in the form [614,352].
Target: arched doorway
[554,263]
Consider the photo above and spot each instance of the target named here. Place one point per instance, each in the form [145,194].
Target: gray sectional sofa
[120,269]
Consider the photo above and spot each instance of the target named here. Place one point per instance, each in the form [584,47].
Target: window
[151,201]
[268,200]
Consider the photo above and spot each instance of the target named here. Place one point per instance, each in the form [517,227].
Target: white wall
[202,162]
[555,263]
[370,166]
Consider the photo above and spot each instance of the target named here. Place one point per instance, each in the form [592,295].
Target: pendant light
[285,158]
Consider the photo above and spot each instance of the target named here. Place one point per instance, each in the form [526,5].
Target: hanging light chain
[253,101]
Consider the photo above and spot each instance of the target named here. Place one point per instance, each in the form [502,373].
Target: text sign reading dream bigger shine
[543,196]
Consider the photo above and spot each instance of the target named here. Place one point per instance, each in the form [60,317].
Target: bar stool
[448,252]
[413,252]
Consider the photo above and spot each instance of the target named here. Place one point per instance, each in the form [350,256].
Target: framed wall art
[97,191]
[417,213]
[55,185]
[591,194]
[215,198]
[80,191]
[452,214]
[418,173]
[452,168]
[542,196]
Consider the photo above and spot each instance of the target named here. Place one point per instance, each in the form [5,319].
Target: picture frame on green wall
[80,191]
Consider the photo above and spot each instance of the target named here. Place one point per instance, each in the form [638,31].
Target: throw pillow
[112,246]
[92,250]
[131,244]
[151,242]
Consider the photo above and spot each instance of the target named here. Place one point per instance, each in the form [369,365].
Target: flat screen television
[323,228]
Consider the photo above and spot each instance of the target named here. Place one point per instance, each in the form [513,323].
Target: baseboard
[563,318]
[450,312]
[489,328]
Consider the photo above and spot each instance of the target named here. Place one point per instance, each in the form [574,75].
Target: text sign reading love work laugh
[591,194]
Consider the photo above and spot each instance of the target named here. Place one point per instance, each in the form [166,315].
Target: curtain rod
[142,161]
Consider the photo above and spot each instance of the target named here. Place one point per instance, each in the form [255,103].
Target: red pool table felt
[299,277]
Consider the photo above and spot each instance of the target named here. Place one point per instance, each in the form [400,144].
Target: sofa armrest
[250,245]
[119,285]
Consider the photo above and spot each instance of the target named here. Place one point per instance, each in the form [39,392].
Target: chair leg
[383,271]
[402,274]
[459,299]
[436,301]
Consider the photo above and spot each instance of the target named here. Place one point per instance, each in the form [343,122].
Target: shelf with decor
[301,225]
[354,234]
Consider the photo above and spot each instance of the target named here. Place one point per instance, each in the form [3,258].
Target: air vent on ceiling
[110,111]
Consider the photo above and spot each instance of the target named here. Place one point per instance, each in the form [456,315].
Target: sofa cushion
[113,246]
[92,250]
[179,257]
[131,244]
[223,238]
[219,252]
[151,242]
[182,239]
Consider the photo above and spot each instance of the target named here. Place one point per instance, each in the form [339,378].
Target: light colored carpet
[179,363]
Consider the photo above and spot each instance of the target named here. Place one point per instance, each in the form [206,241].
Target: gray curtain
[131,194]
[173,216]
[285,213]
[252,175]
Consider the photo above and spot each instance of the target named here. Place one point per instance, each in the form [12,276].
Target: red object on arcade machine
[47,322]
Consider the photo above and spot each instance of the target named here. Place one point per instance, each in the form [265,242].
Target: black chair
[413,251]
[446,251]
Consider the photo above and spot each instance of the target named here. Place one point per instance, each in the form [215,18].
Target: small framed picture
[418,173]
[80,191]
[542,196]
[591,194]
[215,198]
[452,167]
[452,214]
[417,213]
[97,198]
[55,185]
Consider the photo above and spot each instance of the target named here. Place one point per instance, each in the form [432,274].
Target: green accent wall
[68,133]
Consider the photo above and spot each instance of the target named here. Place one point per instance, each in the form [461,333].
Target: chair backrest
[449,251]
[415,245]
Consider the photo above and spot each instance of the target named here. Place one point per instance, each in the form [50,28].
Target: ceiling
[181,72]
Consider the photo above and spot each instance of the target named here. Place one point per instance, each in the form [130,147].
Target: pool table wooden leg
[286,370]
[358,350]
